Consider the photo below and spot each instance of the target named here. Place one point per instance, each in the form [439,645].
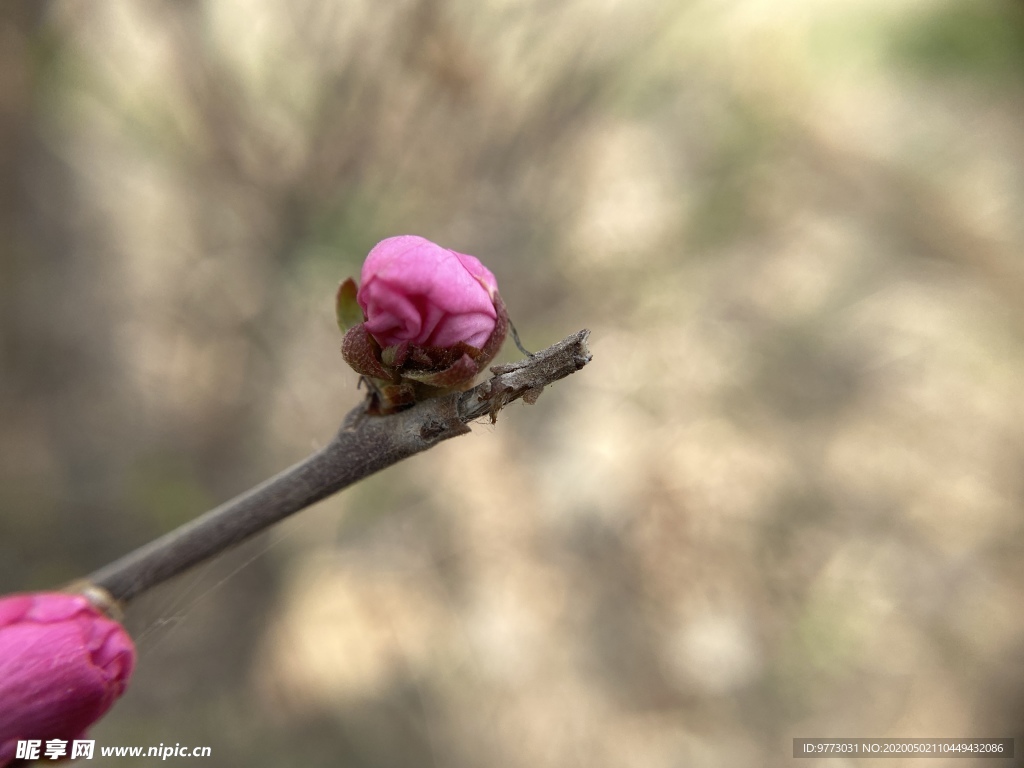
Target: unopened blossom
[424,320]
[63,663]
[413,290]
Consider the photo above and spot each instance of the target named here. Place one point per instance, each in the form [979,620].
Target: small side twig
[364,445]
[526,378]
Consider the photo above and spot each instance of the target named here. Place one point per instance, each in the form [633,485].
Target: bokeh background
[783,501]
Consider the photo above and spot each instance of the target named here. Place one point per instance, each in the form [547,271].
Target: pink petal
[414,290]
[62,665]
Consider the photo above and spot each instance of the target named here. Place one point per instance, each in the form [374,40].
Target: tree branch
[365,444]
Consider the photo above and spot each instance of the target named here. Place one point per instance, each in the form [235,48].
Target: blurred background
[783,501]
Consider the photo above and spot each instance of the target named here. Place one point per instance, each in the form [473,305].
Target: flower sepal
[404,374]
[346,307]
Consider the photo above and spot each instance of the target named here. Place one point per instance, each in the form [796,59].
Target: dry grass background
[783,501]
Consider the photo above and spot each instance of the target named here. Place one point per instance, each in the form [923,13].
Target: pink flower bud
[418,292]
[63,663]
[431,319]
